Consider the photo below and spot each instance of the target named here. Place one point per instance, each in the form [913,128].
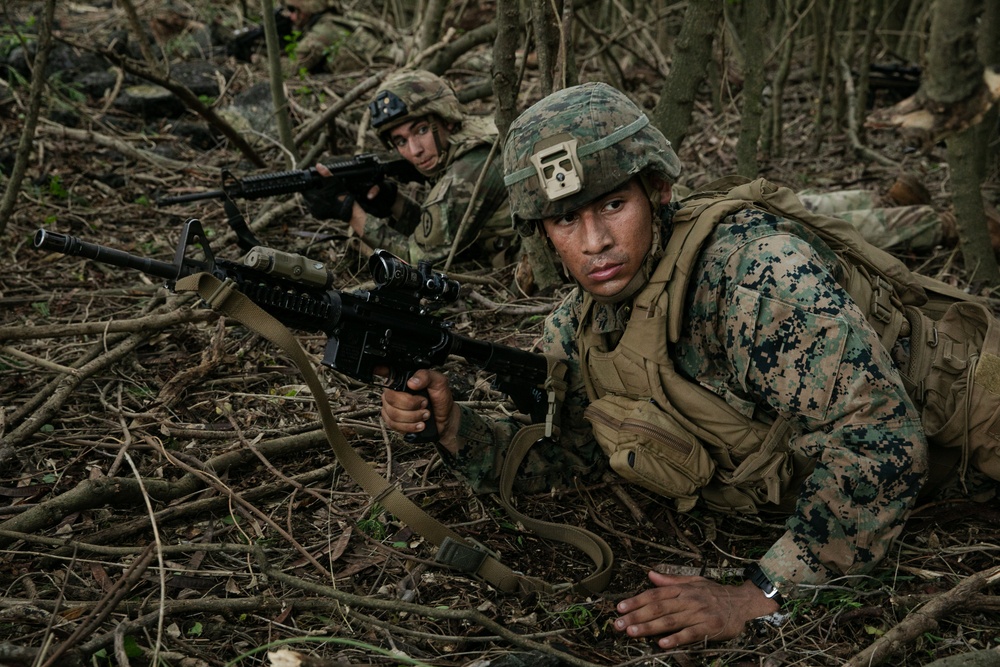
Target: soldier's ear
[664,187]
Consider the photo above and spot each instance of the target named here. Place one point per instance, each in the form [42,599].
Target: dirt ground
[166,492]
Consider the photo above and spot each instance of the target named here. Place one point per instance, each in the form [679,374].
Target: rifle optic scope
[387,270]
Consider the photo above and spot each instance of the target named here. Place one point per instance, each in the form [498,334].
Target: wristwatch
[760,580]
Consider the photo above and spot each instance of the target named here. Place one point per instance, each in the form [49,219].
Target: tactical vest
[675,437]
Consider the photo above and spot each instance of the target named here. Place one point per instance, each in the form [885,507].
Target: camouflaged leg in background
[917,228]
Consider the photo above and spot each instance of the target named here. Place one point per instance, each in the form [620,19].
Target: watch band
[760,580]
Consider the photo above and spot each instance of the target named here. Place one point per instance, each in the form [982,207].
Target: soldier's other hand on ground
[685,609]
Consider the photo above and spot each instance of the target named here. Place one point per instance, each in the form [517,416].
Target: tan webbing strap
[464,555]
[581,538]
[592,545]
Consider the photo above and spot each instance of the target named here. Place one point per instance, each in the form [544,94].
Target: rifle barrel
[71,245]
[194,196]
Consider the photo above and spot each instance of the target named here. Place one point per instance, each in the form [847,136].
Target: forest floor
[166,492]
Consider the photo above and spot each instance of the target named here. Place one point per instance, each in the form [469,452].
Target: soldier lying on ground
[417,114]
[326,41]
[726,334]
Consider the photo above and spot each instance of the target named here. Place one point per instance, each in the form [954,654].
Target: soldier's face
[604,243]
[297,16]
[415,142]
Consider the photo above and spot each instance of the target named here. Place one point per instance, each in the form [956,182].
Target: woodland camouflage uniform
[767,329]
[327,42]
[427,231]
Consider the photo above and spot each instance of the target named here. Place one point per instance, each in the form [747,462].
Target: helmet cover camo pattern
[412,94]
[576,145]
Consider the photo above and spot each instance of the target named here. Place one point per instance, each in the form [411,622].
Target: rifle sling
[458,553]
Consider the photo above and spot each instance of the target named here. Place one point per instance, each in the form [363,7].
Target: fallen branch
[400,607]
[852,120]
[155,322]
[125,491]
[923,619]
[511,309]
[87,136]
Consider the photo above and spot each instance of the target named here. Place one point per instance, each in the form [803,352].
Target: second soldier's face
[603,244]
[415,143]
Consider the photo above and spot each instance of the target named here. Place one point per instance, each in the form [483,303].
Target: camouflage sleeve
[450,202]
[787,336]
[576,456]
[393,235]
[315,46]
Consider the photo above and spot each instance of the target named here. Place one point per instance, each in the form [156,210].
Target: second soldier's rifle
[391,329]
[352,176]
[349,175]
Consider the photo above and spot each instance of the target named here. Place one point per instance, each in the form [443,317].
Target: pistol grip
[430,432]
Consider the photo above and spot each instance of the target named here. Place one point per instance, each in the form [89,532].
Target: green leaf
[132,648]
[195,630]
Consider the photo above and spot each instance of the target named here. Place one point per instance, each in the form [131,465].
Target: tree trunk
[773,140]
[693,52]
[505,80]
[953,75]
[31,117]
[754,24]
[546,28]
[430,27]
[278,99]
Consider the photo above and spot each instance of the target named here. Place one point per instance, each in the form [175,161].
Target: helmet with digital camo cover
[575,145]
[409,95]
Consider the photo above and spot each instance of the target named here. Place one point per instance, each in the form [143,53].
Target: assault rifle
[391,326]
[353,177]
[242,42]
[350,175]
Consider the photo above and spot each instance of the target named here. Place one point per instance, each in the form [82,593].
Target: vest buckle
[881,308]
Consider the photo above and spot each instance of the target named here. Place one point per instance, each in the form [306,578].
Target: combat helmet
[576,145]
[412,94]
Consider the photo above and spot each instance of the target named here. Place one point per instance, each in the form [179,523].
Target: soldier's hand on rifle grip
[428,399]
[327,204]
[378,198]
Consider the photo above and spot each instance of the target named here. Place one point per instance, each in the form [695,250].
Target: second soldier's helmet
[575,145]
[412,94]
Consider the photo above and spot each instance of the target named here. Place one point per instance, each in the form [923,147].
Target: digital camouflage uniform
[427,231]
[767,328]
